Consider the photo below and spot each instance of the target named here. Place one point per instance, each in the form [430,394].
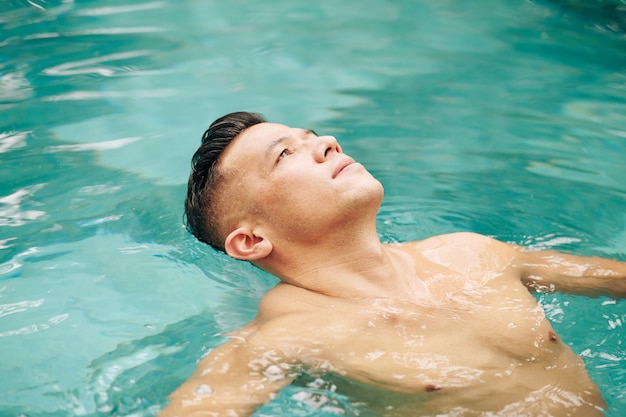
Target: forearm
[591,276]
[203,402]
[233,380]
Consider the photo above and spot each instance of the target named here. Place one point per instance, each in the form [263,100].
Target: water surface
[499,117]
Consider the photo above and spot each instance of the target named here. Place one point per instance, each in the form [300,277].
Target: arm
[231,381]
[591,276]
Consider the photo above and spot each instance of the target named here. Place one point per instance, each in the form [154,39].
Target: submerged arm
[233,380]
[555,271]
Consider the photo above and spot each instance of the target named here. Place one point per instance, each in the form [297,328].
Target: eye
[283,154]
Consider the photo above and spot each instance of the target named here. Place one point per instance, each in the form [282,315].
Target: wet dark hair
[202,208]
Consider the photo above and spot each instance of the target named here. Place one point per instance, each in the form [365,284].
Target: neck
[348,265]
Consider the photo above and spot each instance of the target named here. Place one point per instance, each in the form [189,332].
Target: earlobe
[244,245]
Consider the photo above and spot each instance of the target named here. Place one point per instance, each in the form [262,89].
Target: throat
[384,272]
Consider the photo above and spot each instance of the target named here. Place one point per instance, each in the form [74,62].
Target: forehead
[252,144]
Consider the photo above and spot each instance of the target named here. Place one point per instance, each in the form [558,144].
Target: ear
[243,244]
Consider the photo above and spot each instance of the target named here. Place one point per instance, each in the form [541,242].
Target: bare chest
[409,347]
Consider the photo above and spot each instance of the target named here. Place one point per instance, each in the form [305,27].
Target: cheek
[289,195]
[271,202]
[296,186]
[294,182]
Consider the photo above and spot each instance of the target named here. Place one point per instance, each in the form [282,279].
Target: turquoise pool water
[501,117]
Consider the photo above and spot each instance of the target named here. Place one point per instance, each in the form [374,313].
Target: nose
[325,147]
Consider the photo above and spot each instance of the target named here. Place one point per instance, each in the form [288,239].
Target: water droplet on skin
[512,325]
[274,373]
[204,391]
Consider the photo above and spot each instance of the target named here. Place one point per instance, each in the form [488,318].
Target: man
[445,326]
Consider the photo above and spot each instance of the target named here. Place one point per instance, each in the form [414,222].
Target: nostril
[327,151]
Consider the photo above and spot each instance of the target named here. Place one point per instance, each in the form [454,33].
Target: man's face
[295,183]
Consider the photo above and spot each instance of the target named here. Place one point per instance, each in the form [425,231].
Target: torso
[468,338]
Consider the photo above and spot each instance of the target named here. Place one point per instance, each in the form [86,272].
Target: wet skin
[447,325]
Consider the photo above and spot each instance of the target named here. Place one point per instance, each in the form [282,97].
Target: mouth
[343,165]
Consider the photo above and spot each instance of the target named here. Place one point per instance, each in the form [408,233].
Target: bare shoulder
[464,252]
[284,316]
[463,239]
[285,299]
[464,242]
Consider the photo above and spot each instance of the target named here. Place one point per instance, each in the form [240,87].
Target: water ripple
[20,306]
[36,327]
[14,86]
[98,95]
[94,146]
[12,140]
[90,65]
[11,213]
[108,10]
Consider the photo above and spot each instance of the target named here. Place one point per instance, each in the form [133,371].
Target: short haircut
[202,205]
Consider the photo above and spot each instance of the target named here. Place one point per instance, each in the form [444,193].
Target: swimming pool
[499,117]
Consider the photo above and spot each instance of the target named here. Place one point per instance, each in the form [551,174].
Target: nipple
[552,336]
[431,388]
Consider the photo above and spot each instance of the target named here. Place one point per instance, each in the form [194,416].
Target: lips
[342,165]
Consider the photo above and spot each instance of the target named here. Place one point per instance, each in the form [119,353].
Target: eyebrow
[275,143]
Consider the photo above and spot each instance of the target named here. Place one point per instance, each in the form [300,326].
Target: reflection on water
[11,213]
[499,118]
